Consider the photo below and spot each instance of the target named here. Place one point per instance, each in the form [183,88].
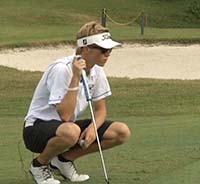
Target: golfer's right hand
[89,136]
[78,65]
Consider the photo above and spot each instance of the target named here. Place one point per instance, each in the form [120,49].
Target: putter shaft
[89,99]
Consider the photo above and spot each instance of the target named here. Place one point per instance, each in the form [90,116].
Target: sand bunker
[133,61]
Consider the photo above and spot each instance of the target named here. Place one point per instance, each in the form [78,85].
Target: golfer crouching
[51,127]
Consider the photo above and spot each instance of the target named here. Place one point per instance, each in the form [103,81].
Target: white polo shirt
[53,86]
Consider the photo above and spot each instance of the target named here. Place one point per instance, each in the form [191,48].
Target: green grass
[38,22]
[22,36]
[163,116]
[161,13]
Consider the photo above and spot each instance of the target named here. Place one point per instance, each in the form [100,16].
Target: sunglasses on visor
[103,50]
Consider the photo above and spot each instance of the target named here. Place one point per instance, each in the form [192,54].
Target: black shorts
[36,136]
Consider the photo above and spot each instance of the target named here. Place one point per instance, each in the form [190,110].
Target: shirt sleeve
[58,81]
[101,88]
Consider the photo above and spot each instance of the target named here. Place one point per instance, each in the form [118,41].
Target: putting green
[187,175]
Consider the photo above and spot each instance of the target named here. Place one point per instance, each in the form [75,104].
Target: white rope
[123,24]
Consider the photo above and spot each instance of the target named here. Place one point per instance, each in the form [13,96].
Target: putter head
[107,181]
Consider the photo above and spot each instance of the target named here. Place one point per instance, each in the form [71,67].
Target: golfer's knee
[69,132]
[123,133]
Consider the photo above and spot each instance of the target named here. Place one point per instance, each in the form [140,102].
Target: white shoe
[67,170]
[42,175]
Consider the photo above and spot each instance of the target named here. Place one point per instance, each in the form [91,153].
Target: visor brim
[108,44]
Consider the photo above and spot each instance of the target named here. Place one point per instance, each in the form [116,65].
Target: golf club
[89,100]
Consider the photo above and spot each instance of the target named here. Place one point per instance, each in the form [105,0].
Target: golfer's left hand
[88,136]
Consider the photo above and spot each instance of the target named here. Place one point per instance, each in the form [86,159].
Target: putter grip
[84,81]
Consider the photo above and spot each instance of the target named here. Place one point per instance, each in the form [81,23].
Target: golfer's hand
[88,136]
[78,65]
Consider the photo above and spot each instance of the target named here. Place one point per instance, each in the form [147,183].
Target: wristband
[73,89]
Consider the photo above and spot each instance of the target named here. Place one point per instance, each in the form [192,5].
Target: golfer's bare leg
[115,135]
[67,136]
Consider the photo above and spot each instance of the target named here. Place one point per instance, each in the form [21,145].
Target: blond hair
[90,28]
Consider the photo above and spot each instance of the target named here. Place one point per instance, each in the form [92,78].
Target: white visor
[102,40]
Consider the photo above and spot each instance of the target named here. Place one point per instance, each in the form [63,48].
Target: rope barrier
[123,24]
